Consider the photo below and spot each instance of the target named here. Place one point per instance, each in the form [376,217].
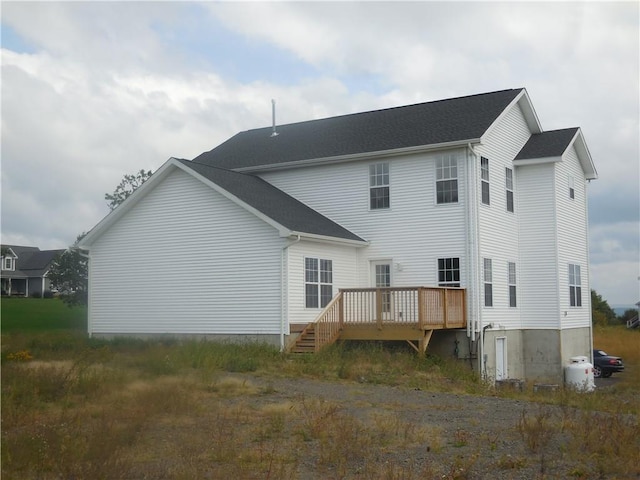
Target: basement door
[381,274]
[501,358]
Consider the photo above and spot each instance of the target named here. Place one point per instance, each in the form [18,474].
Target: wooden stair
[306,342]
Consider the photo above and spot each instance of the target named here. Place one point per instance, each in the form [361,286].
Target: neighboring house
[25,270]
[256,236]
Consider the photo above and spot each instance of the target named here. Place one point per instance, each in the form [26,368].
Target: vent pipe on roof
[273,118]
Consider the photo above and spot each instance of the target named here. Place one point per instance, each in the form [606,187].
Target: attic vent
[273,118]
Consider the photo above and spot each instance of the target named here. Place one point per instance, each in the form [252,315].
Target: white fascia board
[537,161]
[360,156]
[328,239]
[114,215]
[528,112]
[584,156]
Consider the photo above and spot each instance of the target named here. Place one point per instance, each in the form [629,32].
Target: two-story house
[25,269]
[388,215]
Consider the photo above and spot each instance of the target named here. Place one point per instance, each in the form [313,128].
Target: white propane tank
[579,374]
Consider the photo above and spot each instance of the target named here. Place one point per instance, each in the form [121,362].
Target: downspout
[283,299]
[590,314]
[475,326]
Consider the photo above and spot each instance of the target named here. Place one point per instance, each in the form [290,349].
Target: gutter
[283,299]
[358,156]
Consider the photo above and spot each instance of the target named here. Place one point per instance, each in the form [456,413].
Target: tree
[601,312]
[69,275]
[128,185]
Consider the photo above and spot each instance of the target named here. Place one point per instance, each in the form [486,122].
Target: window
[447,179]
[488,283]
[8,263]
[512,285]
[484,175]
[379,186]
[575,286]
[449,272]
[318,278]
[572,191]
[509,187]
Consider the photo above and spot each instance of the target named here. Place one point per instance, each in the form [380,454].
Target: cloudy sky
[92,91]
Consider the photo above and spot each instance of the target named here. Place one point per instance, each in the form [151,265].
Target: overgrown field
[81,408]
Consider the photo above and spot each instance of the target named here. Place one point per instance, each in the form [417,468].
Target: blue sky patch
[11,40]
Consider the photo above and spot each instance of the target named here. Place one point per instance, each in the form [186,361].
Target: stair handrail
[329,323]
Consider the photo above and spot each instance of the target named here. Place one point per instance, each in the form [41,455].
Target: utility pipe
[283,291]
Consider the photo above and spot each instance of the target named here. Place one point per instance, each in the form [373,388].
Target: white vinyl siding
[538,268]
[500,238]
[572,238]
[415,232]
[223,277]
[344,275]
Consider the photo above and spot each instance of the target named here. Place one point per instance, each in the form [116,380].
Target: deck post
[445,305]
[421,322]
[341,311]
[424,341]
[379,308]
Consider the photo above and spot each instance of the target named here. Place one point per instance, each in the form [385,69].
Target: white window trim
[319,284]
[514,283]
[487,280]
[509,190]
[387,185]
[445,283]
[485,181]
[572,188]
[12,263]
[454,160]
[573,287]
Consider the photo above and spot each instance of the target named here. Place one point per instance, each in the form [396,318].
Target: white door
[501,358]
[381,276]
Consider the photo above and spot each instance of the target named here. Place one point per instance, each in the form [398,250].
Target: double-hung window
[378,186]
[484,175]
[488,282]
[575,286]
[512,285]
[449,272]
[447,179]
[509,188]
[318,282]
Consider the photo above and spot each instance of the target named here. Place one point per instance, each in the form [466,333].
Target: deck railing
[425,308]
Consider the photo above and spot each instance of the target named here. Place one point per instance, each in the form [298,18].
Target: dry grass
[131,409]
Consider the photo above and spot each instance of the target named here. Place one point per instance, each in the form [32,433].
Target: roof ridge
[386,109]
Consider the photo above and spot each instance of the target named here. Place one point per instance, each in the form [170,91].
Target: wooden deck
[395,313]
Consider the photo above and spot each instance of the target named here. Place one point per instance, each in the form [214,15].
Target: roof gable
[283,212]
[461,119]
[552,145]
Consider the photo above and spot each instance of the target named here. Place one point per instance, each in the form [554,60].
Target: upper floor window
[449,272]
[447,179]
[484,176]
[512,285]
[488,282]
[509,188]
[575,286]
[572,190]
[8,263]
[318,282]
[379,186]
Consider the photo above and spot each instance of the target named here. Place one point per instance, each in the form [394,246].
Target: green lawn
[41,314]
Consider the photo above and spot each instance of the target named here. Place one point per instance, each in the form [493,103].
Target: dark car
[604,365]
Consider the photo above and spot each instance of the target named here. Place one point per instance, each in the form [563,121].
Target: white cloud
[109,88]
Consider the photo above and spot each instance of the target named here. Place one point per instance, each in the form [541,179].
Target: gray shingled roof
[31,261]
[443,121]
[547,144]
[272,202]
